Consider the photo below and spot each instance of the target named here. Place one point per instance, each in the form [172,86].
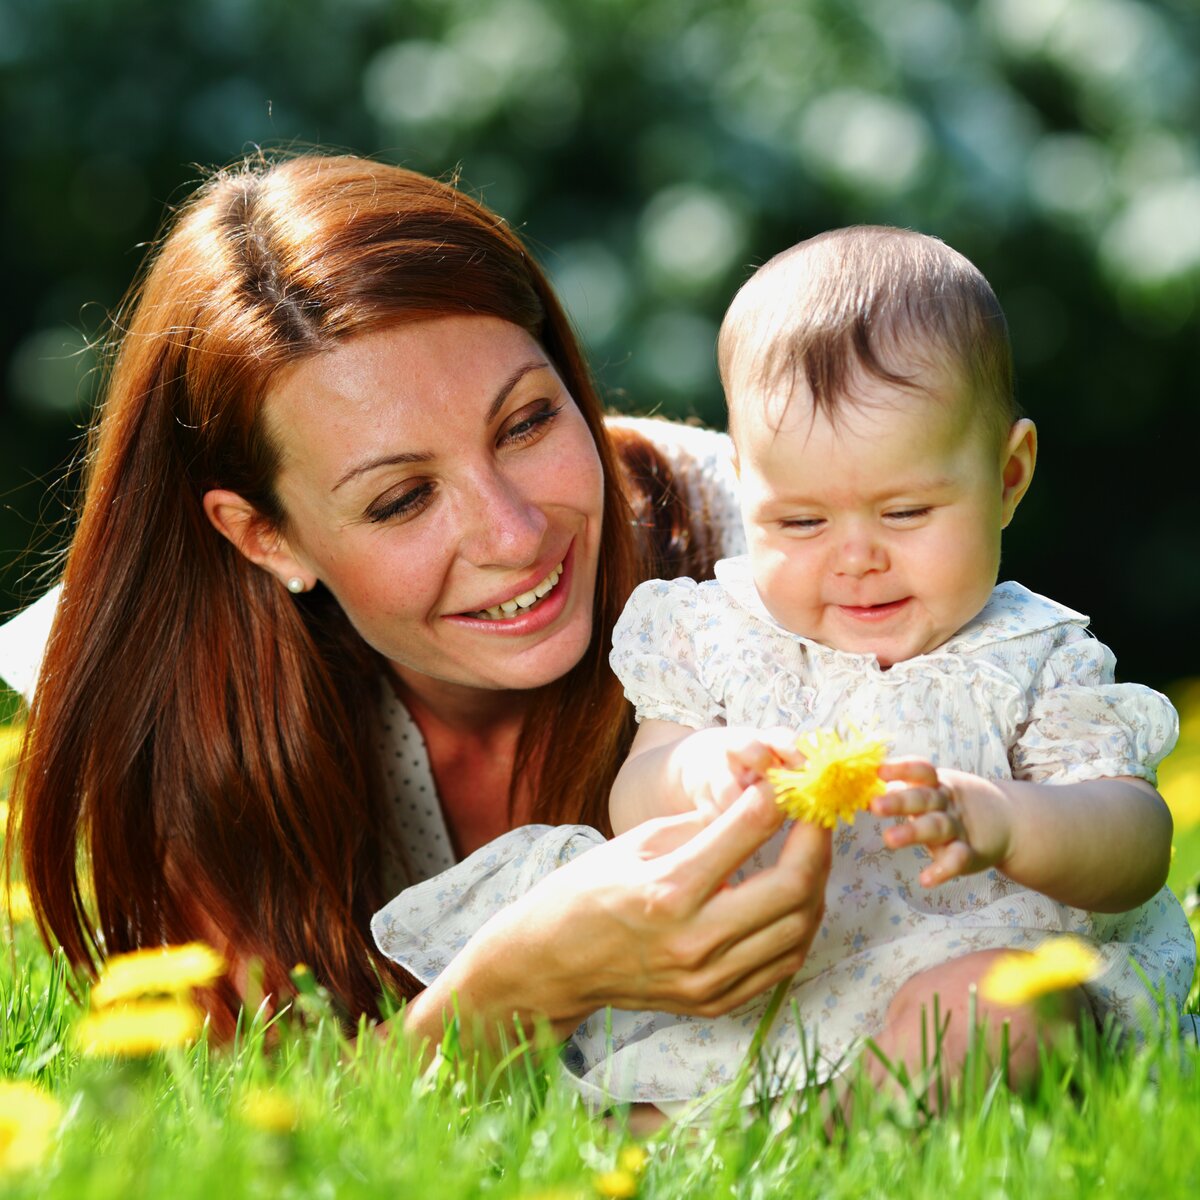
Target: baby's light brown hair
[868,302]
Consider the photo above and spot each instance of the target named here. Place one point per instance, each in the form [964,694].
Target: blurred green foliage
[652,151]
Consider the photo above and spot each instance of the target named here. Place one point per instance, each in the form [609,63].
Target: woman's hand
[962,820]
[646,921]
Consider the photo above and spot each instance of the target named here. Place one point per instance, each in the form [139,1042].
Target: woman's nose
[502,526]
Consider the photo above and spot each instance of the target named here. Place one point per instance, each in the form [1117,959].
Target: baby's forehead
[760,410]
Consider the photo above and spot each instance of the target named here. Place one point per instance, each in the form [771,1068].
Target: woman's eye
[406,504]
[531,425]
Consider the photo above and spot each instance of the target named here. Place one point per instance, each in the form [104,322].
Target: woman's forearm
[1102,845]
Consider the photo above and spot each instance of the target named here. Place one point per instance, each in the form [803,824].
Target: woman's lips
[874,612]
[531,617]
[521,601]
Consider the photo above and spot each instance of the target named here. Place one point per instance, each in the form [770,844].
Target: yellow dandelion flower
[633,1159]
[1055,965]
[11,737]
[28,1119]
[135,1030]
[268,1109]
[618,1184]
[840,777]
[160,971]
[17,901]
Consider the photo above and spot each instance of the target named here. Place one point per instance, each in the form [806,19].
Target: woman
[349,463]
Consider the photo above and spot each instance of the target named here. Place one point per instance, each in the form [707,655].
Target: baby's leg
[912,1009]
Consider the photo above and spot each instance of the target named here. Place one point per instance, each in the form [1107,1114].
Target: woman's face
[440,481]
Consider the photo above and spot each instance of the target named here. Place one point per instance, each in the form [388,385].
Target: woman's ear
[257,538]
[1016,468]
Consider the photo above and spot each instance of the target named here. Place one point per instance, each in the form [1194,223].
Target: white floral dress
[1022,691]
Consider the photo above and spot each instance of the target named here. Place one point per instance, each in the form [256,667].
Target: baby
[880,453]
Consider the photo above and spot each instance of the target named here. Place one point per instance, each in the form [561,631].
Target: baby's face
[880,534]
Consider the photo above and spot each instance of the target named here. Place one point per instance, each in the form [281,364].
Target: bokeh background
[652,151]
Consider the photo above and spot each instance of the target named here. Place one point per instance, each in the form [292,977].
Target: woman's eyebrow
[510,383]
[391,460]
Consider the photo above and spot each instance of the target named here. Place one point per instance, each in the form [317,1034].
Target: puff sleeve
[1084,725]
[655,655]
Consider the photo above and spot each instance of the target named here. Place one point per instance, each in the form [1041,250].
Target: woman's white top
[1022,691]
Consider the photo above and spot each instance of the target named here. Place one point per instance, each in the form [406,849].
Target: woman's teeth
[524,600]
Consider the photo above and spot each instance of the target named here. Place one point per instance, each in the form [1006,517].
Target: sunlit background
[652,151]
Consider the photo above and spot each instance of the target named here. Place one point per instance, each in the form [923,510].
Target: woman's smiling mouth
[519,603]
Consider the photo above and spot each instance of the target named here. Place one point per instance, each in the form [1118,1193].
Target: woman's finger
[713,993]
[794,884]
[748,986]
[707,859]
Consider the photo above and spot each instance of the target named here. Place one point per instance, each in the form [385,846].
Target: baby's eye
[802,524]
[908,514]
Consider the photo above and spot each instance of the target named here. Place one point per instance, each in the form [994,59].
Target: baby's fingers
[919,771]
[769,748]
[928,829]
[901,800]
[949,861]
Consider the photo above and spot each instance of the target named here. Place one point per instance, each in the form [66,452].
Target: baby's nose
[860,555]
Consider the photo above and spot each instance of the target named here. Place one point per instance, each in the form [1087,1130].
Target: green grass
[1106,1121]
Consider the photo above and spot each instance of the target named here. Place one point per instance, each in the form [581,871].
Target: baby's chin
[888,651]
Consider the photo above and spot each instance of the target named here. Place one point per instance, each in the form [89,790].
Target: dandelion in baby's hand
[1057,964]
[28,1119]
[135,1030]
[162,971]
[840,777]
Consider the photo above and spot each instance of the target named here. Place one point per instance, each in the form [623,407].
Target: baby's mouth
[521,603]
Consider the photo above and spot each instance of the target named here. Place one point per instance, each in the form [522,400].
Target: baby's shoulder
[1020,635]
[1018,621]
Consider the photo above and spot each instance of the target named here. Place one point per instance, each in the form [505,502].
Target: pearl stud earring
[295,585]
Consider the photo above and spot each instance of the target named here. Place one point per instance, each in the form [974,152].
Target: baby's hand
[961,819]
[717,765]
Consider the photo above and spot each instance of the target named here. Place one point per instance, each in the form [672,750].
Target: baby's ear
[1016,467]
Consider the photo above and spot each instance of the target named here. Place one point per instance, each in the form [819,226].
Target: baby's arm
[1102,845]
[673,769]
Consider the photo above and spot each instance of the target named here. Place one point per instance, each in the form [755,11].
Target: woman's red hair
[208,739]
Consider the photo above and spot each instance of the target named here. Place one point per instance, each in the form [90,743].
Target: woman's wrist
[497,983]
